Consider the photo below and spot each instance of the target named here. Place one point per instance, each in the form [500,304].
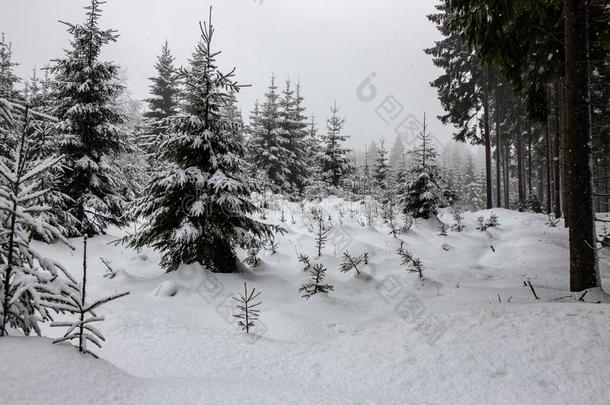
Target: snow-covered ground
[469,332]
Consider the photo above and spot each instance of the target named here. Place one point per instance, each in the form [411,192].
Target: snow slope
[469,332]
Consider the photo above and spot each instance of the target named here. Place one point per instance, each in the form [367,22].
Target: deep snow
[469,332]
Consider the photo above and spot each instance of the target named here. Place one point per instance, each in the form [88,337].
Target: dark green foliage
[318,274]
[90,128]
[413,264]
[248,309]
[198,209]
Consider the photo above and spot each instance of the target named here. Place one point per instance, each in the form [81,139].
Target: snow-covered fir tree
[268,144]
[91,124]
[8,79]
[294,122]
[334,160]
[163,101]
[397,152]
[380,174]
[472,192]
[32,285]
[198,209]
[425,192]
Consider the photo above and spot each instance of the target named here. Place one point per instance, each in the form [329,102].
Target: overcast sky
[331,46]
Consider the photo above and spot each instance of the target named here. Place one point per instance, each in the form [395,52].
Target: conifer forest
[294,202]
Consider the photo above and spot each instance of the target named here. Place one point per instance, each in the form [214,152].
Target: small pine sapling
[482,224]
[350,262]
[492,221]
[82,329]
[248,311]
[442,230]
[283,217]
[458,218]
[407,259]
[321,236]
[110,272]
[318,274]
[552,221]
[305,260]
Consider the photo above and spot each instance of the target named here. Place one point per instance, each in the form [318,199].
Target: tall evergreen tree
[293,124]
[91,127]
[397,153]
[8,79]
[381,167]
[199,209]
[269,145]
[463,89]
[163,101]
[426,192]
[335,163]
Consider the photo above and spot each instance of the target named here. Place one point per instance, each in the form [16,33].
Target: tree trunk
[556,153]
[529,163]
[506,162]
[487,137]
[498,148]
[520,169]
[547,166]
[584,272]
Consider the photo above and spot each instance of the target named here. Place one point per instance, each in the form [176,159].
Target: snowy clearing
[469,332]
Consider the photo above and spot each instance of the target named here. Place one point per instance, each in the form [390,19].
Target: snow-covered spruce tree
[32,285]
[90,130]
[8,79]
[293,123]
[397,152]
[381,167]
[472,196]
[82,329]
[316,285]
[198,209]
[163,101]
[422,196]
[7,91]
[268,144]
[334,160]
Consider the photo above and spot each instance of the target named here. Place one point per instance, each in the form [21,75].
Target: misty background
[331,47]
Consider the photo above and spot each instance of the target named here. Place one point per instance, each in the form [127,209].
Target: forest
[269,256]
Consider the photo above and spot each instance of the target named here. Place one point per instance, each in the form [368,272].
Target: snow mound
[166,288]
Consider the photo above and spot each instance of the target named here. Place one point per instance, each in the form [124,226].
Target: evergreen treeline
[529,82]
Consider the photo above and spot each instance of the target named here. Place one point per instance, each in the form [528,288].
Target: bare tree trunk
[556,153]
[506,173]
[547,167]
[520,168]
[584,272]
[529,163]
[498,148]
[487,138]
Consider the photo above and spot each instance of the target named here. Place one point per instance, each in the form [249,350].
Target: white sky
[330,45]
